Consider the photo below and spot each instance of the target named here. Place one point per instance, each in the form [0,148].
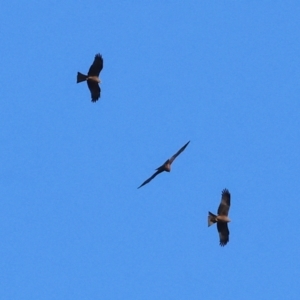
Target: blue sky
[223,75]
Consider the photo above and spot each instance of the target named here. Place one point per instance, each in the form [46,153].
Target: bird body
[94,78]
[214,219]
[165,167]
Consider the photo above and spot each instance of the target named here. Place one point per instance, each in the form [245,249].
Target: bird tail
[81,77]
[211,218]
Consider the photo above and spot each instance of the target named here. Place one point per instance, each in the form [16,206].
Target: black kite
[166,166]
[92,78]
[222,218]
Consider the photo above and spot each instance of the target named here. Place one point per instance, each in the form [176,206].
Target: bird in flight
[92,78]
[166,166]
[222,218]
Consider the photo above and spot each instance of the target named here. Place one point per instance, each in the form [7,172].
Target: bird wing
[149,179]
[223,233]
[225,203]
[97,66]
[95,90]
[178,152]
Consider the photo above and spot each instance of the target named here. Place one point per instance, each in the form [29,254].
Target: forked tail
[81,77]
[211,218]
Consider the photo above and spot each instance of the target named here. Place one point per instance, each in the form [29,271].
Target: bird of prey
[92,78]
[166,166]
[222,218]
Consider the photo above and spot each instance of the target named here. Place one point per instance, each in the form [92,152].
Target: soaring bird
[222,218]
[166,166]
[92,78]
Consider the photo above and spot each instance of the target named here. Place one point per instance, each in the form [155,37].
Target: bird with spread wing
[92,78]
[222,218]
[166,166]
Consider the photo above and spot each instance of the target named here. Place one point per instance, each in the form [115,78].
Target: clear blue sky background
[223,74]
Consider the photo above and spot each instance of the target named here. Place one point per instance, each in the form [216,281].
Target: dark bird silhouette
[166,166]
[92,78]
[222,218]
